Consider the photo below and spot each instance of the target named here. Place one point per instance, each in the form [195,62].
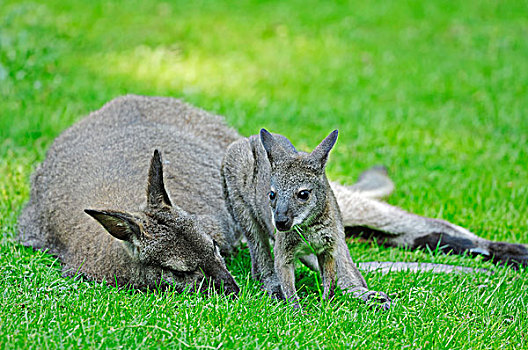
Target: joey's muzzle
[283,223]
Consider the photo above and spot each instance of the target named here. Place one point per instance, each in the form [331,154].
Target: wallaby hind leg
[374,183]
[396,227]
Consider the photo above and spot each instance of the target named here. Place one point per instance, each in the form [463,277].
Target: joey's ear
[267,140]
[273,149]
[320,153]
[156,194]
[120,225]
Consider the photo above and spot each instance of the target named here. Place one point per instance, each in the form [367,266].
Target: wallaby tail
[374,183]
[387,266]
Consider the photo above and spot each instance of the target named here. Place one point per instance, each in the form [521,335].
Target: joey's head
[299,186]
[167,243]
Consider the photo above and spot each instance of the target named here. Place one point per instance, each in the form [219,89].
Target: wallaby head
[166,240]
[299,186]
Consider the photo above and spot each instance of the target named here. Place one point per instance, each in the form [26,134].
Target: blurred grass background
[435,90]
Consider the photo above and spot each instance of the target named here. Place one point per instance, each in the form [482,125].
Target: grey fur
[395,227]
[217,183]
[387,267]
[272,163]
[102,163]
[374,183]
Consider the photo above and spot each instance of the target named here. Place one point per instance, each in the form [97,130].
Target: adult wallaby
[152,247]
[99,168]
[222,183]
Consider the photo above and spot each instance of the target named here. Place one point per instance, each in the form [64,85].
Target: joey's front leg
[262,265]
[285,267]
[329,273]
[286,274]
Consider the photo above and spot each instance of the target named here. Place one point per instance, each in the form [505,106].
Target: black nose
[283,223]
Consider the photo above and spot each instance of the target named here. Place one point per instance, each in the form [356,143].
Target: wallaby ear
[320,153]
[267,140]
[273,149]
[120,225]
[156,193]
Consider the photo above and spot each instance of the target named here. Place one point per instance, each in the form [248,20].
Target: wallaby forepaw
[274,291]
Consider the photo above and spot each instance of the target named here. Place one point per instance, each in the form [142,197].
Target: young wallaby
[267,171]
[220,182]
[308,219]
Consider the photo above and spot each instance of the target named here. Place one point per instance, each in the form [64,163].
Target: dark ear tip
[156,159]
[264,132]
[95,213]
[156,155]
[90,212]
[266,138]
[333,136]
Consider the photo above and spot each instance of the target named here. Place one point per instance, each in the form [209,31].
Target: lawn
[435,90]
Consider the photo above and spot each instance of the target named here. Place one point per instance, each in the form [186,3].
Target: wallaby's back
[102,162]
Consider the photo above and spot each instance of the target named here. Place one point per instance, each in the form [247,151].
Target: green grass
[436,90]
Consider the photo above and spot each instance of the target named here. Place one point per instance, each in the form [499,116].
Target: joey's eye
[272,195]
[303,195]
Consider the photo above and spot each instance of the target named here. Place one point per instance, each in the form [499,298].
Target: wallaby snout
[283,222]
[222,279]
[282,215]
